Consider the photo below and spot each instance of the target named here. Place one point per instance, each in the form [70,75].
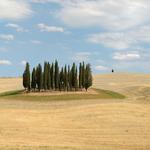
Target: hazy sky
[106,33]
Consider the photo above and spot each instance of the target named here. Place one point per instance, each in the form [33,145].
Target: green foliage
[88,77]
[76,79]
[26,77]
[33,82]
[45,76]
[61,82]
[48,76]
[73,75]
[83,75]
[51,78]
[65,77]
[80,76]
[52,75]
[39,77]
[56,75]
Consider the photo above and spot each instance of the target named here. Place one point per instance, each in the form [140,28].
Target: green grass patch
[10,93]
[101,94]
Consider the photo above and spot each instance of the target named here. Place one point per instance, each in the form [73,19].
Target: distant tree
[45,76]
[88,77]
[56,75]
[80,76]
[39,76]
[26,77]
[33,82]
[52,76]
[48,76]
[112,71]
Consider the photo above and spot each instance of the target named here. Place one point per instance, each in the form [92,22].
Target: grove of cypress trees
[88,77]
[33,82]
[52,79]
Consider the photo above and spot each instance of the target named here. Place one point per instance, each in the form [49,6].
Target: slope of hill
[93,124]
[9,84]
[131,84]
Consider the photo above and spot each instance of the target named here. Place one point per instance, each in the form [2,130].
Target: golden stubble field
[80,125]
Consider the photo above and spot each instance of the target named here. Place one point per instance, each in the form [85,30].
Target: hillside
[131,84]
[87,124]
[9,84]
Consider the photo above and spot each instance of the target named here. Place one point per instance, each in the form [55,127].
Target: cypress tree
[52,76]
[45,76]
[61,81]
[65,78]
[83,75]
[76,79]
[88,77]
[80,76]
[33,82]
[26,77]
[39,75]
[69,79]
[48,76]
[25,80]
[73,75]
[56,75]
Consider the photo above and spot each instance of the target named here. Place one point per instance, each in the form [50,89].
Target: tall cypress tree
[83,75]
[25,80]
[88,77]
[76,79]
[26,77]
[80,76]
[52,76]
[56,75]
[48,76]
[45,76]
[33,82]
[73,75]
[65,78]
[61,81]
[69,79]
[39,75]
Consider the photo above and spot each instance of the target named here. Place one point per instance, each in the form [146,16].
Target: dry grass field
[90,124]
[8,84]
